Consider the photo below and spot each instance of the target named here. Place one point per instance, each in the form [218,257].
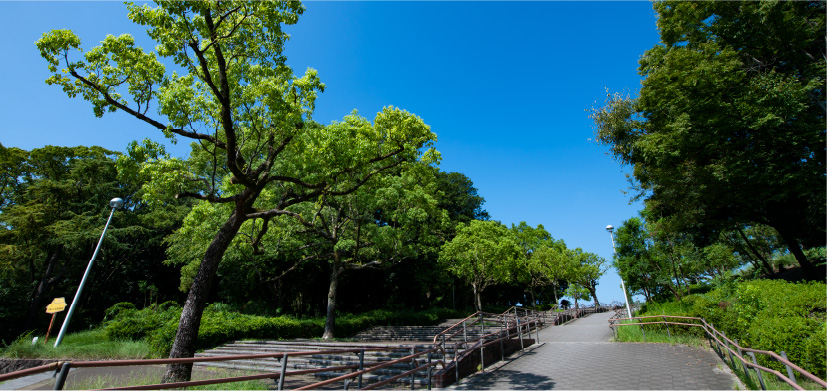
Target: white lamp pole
[622,285]
[116,203]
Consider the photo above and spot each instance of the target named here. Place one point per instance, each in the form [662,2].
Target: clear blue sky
[504,85]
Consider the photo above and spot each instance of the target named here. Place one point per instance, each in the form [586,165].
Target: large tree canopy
[255,148]
[482,253]
[728,129]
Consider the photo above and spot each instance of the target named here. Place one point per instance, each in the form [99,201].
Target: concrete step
[316,361]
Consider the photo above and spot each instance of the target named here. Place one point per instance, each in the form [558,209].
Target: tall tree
[729,126]
[244,109]
[586,270]
[534,270]
[482,253]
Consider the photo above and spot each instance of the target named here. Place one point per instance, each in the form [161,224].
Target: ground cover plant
[220,324]
[772,315]
[88,345]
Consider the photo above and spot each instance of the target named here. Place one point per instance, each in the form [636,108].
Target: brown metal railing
[362,368]
[514,322]
[732,347]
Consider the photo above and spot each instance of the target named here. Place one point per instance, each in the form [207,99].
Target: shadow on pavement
[507,380]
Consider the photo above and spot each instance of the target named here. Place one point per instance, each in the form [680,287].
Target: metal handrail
[713,333]
[63,367]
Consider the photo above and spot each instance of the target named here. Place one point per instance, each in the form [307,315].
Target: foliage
[221,323]
[728,128]
[482,253]
[256,150]
[89,345]
[770,315]
[56,202]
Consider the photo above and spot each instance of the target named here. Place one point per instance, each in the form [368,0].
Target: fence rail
[488,331]
[63,367]
[722,342]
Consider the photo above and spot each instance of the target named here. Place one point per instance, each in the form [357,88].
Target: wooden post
[50,327]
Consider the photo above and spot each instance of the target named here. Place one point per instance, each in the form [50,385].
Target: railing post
[520,333]
[482,323]
[61,377]
[482,356]
[413,366]
[729,352]
[537,331]
[790,372]
[758,371]
[741,353]
[283,371]
[502,348]
[456,362]
[362,363]
[464,333]
[642,332]
[667,328]
[430,370]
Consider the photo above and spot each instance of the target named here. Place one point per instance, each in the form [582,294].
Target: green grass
[87,345]
[659,335]
[136,378]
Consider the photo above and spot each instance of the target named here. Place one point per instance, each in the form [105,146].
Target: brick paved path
[579,356]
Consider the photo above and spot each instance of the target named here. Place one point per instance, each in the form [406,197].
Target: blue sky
[505,86]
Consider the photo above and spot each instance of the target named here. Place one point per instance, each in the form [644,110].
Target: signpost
[57,305]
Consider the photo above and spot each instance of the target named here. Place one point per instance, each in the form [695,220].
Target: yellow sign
[58,305]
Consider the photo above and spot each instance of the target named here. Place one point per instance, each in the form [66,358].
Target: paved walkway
[579,356]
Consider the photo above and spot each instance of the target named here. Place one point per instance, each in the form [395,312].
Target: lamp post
[115,203]
[622,285]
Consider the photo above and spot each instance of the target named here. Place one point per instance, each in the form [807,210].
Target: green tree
[586,270]
[390,219]
[552,261]
[533,271]
[255,149]
[482,253]
[51,217]
[728,129]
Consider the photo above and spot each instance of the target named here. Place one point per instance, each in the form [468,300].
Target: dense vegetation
[281,226]
[286,281]
[772,315]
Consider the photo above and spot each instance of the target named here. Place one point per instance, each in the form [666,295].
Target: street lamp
[622,285]
[116,203]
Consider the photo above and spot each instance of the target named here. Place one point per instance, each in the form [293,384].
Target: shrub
[770,315]
[220,324]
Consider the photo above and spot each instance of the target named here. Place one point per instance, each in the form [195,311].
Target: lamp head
[116,203]
[610,228]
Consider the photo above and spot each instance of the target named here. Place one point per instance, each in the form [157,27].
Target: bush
[220,324]
[770,315]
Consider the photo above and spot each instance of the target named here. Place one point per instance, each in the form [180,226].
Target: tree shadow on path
[507,380]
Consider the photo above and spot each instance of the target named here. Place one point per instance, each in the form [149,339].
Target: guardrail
[63,368]
[516,322]
[735,350]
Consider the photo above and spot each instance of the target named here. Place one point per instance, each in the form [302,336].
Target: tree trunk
[593,291]
[42,287]
[556,301]
[330,319]
[477,297]
[187,334]
[766,265]
[807,268]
